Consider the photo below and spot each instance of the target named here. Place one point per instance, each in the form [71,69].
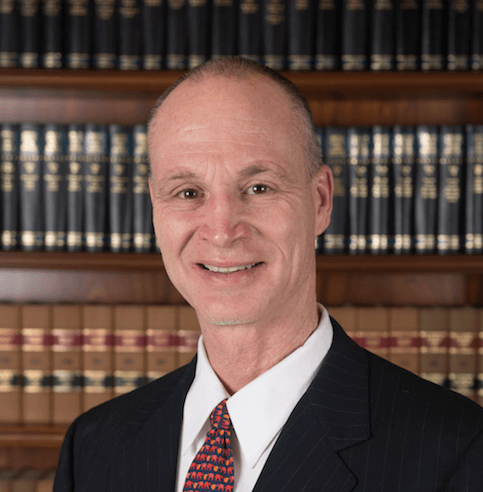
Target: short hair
[240,67]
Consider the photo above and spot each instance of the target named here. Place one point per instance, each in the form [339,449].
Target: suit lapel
[331,416]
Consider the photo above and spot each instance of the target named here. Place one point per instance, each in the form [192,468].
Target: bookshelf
[336,98]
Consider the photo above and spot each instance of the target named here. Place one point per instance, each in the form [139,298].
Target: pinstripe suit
[363,425]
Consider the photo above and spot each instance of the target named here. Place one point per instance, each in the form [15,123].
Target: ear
[323,185]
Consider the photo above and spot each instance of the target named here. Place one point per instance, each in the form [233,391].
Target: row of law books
[405,190]
[26,480]
[283,34]
[440,344]
[59,360]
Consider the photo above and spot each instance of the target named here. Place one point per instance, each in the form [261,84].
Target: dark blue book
[177,35]
[55,186]
[199,18]
[301,39]
[432,35]
[327,35]
[77,30]
[32,229]
[52,33]
[382,35]
[477,36]
[9,184]
[130,35]
[105,42]
[29,33]
[459,35]
[250,29]
[408,34]
[9,34]
[354,35]
[223,28]
[274,23]
[154,34]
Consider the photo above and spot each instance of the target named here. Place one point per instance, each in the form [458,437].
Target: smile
[229,269]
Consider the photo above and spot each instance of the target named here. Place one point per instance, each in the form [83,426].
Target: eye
[189,194]
[257,189]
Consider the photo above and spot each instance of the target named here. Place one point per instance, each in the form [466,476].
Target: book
[26,480]
[55,186]
[95,173]
[29,33]
[36,364]
[274,22]
[407,34]
[477,35]
[434,331]
[97,356]
[154,34]
[9,184]
[7,478]
[249,29]
[223,28]
[432,34]
[188,334]
[66,363]
[379,191]
[459,35]
[382,35]
[9,33]
[426,189]
[161,341]
[129,347]
[105,29]
[463,350]
[46,482]
[301,28]
[130,37]
[142,208]
[52,33]
[177,35]
[336,157]
[199,14]
[77,29]
[450,191]
[10,364]
[403,161]
[75,189]
[405,342]
[120,188]
[32,235]
[373,330]
[473,207]
[354,35]
[327,35]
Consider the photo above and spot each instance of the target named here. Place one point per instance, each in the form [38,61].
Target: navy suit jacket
[363,425]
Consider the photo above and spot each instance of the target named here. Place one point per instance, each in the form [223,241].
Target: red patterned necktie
[212,467]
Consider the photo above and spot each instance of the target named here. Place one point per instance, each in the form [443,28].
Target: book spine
[373,330]
[95,167]
[177,37]
[362,183]
[161,341]
[379,187]
[97,362]
[463,351]
[477,35]
[301,27]
[130,35]
[223,28]
[346,316]
[29,33]
[327,33]
[354,35]
[75,198]
[105,35]
[249,29]
[9,184]
[36,364]
[51,26]
[450,193]
[188,334]
[459,35]
[408,34]
[10,364]
[199,32]
[129,345]
[474,190]
[9,33]
[142,209]
[426,190]
[432,33]
[31,217]
[66,363]
[78,34]
[335,236]
[405,342]
[55,187]
[154,16]
[382,35]
[120,188]
[274,25]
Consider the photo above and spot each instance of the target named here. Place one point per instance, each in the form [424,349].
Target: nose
[223,220]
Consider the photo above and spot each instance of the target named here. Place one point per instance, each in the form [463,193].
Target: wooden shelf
[43,436]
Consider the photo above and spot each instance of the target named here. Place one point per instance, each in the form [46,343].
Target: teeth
[228,270]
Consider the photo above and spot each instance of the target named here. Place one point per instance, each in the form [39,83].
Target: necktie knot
[219,418]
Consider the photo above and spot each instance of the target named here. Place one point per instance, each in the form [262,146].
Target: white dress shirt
[258,411]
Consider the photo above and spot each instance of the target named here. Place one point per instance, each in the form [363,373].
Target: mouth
[232,269]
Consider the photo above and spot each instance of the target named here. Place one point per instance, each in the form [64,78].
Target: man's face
[234,211]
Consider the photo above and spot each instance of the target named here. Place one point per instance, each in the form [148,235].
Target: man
[239,195]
